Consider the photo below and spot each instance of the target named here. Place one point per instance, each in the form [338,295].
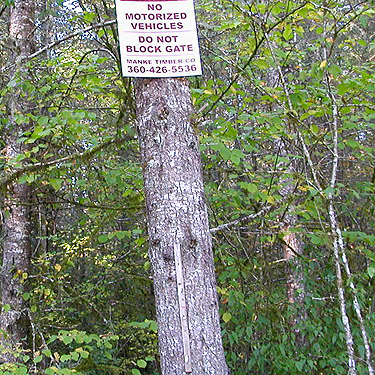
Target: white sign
[158,38]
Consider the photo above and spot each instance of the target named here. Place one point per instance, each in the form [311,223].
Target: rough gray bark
[177,214]
[14,323]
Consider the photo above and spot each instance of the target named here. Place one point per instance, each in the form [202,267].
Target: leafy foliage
[274,72]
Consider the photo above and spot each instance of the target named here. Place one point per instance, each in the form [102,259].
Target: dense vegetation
[286,116]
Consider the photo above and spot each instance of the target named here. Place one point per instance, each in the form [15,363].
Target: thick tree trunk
[14,323]
[177,221]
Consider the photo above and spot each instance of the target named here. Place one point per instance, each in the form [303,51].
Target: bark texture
[14,323]
[177,214]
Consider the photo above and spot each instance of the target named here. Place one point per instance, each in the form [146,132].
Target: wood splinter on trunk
[182,307]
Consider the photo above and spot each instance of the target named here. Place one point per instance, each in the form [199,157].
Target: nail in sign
[158,38]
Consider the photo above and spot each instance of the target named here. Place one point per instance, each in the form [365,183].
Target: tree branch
[65,38]
[240,220]
[70,36]
[14,175]
[250,59]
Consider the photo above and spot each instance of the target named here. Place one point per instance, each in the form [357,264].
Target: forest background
[285,115]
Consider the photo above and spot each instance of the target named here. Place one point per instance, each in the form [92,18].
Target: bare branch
[14,175]
[70,36]
[64,39]
[240,220]
[337,234]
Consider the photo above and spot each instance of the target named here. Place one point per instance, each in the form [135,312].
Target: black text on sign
[158,38]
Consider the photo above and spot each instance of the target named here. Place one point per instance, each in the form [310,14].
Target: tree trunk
[292,243]
[14,323]
[295,286]
[178,222]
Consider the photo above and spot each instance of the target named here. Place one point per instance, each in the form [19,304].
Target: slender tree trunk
[293,248]
[178,222]
[295,287]
[338,243]
[14,323]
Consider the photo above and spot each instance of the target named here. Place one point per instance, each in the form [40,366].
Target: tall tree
[14,320]
[178,222]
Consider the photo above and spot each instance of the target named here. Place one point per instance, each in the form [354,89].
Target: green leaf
[56,183]
[140,241]
[65,357]
[225,153]
[84,354]
[251,188]
[89,16]
[74,356]
[21,371]
[154,326]
[103,238]
[38,359]
[108,345]
[87,339]
[261,63]
[227,317]
[136,372]
[371,271]
[334,70]
[317,240]
[141,363]
[47,352]
[67,340]
[122,234]
[42,120]
[314,129]
[53,338]
[65,371]
[352,143]
[370,254]
[329,191]
[288,32]
[300,365]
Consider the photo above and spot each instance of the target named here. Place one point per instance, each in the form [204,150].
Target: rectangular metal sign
[158,38]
